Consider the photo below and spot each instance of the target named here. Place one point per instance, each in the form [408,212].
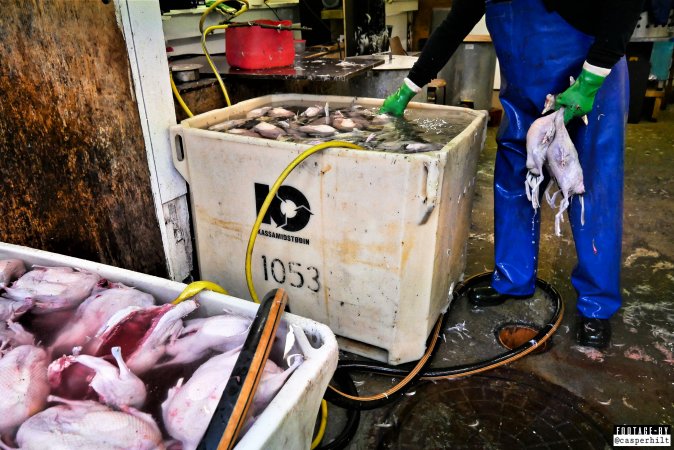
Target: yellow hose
[210,61]
[210,9]
[253,235]
[208,31]
[194,288]
[321,429]
[272,192]
[179,98]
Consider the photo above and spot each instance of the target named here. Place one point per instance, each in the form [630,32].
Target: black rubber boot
[483,296]
[593,332]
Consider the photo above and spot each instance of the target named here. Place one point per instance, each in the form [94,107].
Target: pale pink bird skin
[94,312]
[562,159]
[53,288]
[212,334]
[13,309]
[540,135]
[23,386]
[564,166]
[87,425]
[12,334]
[115,386]
[141,333]
[10,270]
[549,144]
[189,407]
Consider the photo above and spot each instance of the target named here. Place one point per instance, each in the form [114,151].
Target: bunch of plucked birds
[550,146]
[89,363]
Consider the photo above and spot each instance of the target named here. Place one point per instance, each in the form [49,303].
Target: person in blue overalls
[540,44]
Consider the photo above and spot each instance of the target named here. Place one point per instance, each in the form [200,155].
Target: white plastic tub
[367,242]
[288,421]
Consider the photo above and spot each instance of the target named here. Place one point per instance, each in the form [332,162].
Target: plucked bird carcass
[86,425]
[94,312]
[549,145]
[23,385]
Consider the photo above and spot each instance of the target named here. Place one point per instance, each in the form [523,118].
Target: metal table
[329,69]
[318,76]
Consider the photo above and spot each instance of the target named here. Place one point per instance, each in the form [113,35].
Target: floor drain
[511,410]
[512,335]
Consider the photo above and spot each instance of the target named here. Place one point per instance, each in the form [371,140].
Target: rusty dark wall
[73,168]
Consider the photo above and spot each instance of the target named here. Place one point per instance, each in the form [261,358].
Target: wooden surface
[74,168]
[478,38]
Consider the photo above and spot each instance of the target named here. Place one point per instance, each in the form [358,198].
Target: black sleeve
[616,25]
[444,41]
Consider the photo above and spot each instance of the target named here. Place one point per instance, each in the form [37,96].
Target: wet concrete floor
[567,396]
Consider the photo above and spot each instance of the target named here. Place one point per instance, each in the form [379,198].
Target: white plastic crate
[288,421]
[367,242]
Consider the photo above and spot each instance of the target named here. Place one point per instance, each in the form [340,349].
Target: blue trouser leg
[598,242]
[538,51]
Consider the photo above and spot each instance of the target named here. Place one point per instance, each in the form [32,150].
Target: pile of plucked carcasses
[88,363]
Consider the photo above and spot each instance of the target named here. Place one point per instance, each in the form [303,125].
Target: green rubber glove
[579,98]
[396,103]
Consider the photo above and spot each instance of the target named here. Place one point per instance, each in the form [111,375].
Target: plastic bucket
[255,47]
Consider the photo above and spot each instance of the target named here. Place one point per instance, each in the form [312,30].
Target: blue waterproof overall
[538,51]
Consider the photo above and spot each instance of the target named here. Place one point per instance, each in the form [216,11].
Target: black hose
[344,380]
[348,403]
[452,371]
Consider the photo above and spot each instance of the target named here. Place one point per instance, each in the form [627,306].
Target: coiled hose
[421,371]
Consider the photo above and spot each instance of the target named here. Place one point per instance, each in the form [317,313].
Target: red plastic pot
[255,47]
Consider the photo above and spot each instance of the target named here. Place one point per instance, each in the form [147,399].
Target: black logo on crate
[289,209]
